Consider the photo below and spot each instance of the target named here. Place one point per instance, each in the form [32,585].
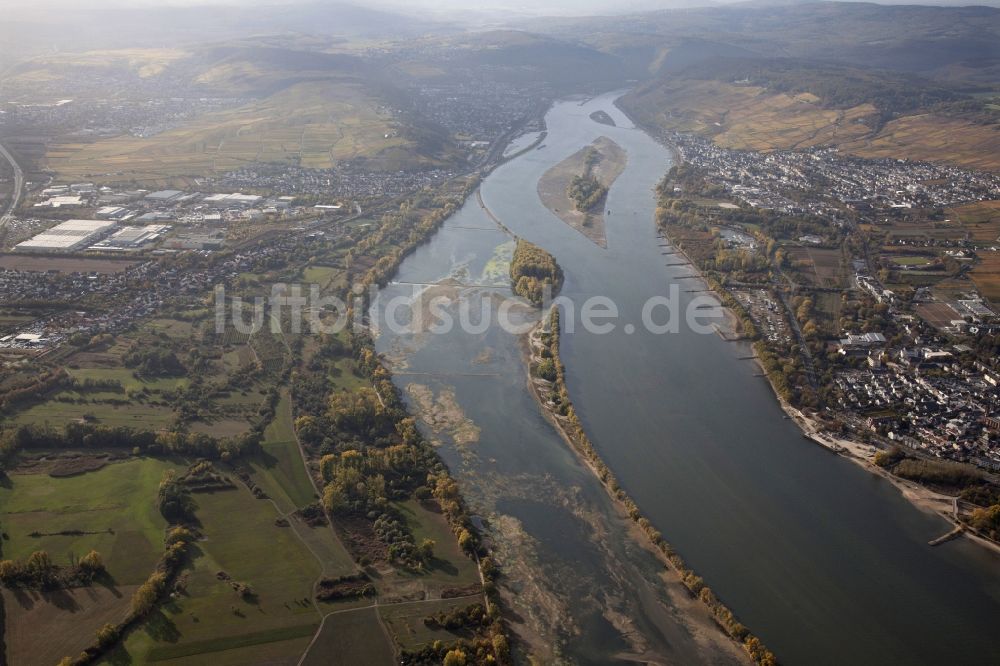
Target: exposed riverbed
[825,562]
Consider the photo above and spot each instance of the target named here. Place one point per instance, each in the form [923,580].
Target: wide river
[826,563]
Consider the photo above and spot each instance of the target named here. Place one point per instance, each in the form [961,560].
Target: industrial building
[131,238]
[61,201]
[112,213]
[164,196]
[229,200]
[69,236]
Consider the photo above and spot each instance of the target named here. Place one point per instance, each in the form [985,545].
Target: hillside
[269,104]
[936,41]
[769,104]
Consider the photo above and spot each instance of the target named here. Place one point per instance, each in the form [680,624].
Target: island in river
[601,162]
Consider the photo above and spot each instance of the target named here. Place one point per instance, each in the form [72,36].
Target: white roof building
[67,237]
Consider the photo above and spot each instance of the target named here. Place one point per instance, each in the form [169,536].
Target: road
[18,186]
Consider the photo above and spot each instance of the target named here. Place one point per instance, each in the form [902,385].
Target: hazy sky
[454,7]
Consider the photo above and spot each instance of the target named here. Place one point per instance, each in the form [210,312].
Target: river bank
[861,454]
[714,615]
[920,496]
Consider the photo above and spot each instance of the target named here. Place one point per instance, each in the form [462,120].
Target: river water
[825,562]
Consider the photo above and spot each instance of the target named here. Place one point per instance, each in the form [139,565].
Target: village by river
[826,563]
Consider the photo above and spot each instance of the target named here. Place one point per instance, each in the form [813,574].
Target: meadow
[241,542]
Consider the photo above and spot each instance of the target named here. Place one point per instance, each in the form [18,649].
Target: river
[827,563]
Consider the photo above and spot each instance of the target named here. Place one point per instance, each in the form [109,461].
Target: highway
[18,186]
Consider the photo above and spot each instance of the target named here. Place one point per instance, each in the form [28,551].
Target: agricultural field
[980,219]
[330,279]
[934,138]
[747,117]
[27,262]
[200,392]
[937,314]
[110,510]
[42,629]
[922,232]
[113,506]
[313,125]
[824,267]
[986,276]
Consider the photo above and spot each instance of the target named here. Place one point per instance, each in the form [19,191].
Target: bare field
[42,628]
[26,262]
[822,265]
[938,315]
[986,275]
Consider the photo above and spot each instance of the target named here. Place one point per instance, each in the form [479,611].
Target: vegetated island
[602,117]
[548,385]
[531,270]
[575,189]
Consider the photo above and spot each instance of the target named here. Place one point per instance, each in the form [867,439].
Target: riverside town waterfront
[826,563]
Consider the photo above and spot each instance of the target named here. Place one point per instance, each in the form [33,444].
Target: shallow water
[827,563]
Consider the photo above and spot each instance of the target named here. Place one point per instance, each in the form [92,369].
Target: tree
[145,597]
[40,565]
[546,369]
[333,498]
[465,540]
[107,635]
[9,570]
[427,549]
[455,657]
[91,563]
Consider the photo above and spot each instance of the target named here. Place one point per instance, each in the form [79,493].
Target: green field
[452,567]
[911,261]
[279,469]
[116,502]
[240,538]
[127,378]
[140,417]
